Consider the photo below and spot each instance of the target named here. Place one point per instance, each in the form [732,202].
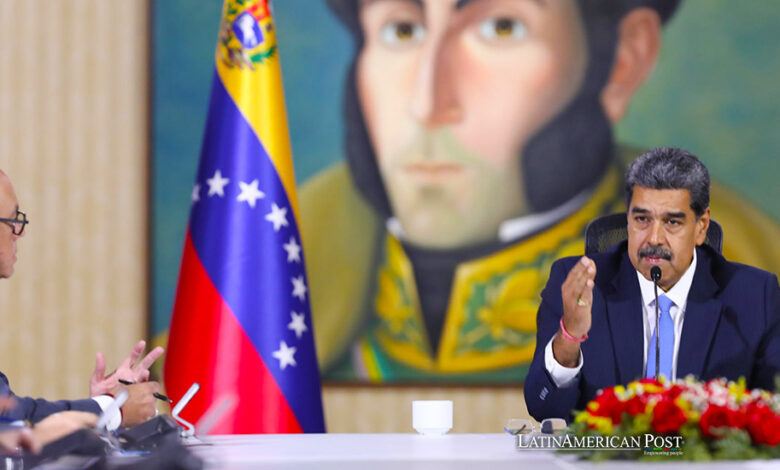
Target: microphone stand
[655,273]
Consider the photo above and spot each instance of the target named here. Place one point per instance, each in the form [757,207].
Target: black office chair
[608,230]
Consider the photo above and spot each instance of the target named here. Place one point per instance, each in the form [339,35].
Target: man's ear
[639,40]
[702,224]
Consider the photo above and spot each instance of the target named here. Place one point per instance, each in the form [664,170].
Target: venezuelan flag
[241,325]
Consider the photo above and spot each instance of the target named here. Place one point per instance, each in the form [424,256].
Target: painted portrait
[447,152]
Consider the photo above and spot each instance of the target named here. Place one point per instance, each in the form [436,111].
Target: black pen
[158,396]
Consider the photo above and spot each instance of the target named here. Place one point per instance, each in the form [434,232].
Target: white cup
[432,417]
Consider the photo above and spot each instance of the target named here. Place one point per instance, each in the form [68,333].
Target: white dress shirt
[563,376]
[116,417]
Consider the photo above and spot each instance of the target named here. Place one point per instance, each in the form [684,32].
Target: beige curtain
[74,140]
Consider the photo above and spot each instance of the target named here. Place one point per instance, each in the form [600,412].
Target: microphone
[655,274]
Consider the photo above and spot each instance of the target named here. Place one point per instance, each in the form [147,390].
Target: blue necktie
[666,346]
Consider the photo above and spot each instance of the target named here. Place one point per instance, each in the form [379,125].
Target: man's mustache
[655,252]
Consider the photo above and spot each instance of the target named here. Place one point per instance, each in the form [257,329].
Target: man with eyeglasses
[140,404]
[16,221]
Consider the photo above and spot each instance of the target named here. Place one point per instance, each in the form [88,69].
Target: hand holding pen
[157,395]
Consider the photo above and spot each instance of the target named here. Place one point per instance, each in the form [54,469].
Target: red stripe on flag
[207,345]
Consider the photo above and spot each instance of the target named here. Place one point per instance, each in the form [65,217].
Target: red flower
[763,424]
[609,405]
[636,405]
[717,416]
[667,417]
[674,391]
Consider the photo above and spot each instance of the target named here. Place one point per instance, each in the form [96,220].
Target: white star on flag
[297,324]
[285,354]
[293,250]
[196,193]
[299,288]
[277,216]
[249,193]
[217,184]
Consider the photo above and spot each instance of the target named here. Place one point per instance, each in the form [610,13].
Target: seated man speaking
[596,322]
[140,404]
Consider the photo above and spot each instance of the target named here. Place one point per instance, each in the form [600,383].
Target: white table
[405,451]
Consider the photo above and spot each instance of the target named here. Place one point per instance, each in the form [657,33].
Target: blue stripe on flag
[244,255]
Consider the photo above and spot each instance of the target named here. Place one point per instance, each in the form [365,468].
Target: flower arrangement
[715,420]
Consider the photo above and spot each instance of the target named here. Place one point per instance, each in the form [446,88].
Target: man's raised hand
[131,370]
[577,297]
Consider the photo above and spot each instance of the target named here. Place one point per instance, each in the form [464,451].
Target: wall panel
[74,140]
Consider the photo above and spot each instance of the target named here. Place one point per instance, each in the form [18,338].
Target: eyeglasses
[17,224]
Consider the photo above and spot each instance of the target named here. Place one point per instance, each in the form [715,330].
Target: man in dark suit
[596,323]
[140,404]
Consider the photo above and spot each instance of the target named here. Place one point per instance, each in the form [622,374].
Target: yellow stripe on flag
[256,88]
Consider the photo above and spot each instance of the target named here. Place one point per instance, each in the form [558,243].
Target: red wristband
[570,337]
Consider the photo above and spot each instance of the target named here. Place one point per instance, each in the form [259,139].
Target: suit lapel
[624,314]
[702,314]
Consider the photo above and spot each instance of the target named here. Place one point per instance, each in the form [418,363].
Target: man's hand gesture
[577,298]
[131,370]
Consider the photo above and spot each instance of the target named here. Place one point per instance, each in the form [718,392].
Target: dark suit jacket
[731,329]
[34,410]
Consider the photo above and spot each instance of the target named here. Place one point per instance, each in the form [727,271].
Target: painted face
[451,92]
[663,231]
[8,206]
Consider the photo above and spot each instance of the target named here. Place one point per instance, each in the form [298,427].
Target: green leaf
[261,56]
[640,425]
[735,445]
[578,428]
[773,452]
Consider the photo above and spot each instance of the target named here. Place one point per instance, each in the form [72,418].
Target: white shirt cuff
[113,421]
[15,424]
[562,376]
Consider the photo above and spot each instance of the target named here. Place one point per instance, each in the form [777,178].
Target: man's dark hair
[549,175]
[671,168]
